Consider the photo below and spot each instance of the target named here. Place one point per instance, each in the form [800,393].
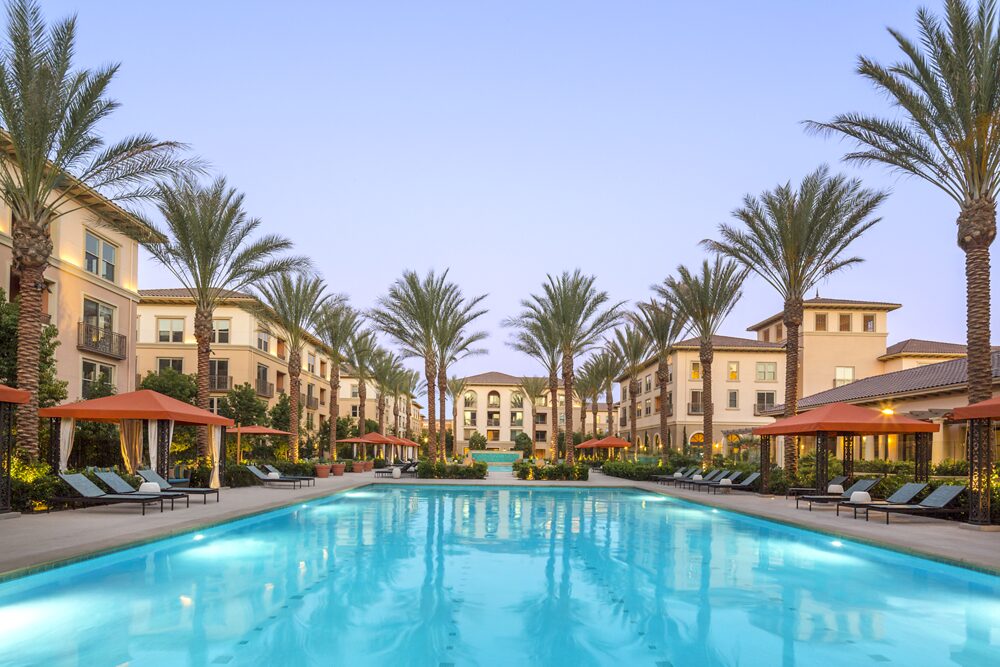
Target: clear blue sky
[509,139]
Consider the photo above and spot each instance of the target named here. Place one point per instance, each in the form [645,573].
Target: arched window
[493,399]
[696,443]
[470,399]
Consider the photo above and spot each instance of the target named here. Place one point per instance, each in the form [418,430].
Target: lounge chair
[732,477]
[746,485]
[119,485]
[697,471]
[265,480]
[713,475]
[91,494]
[404,469]
[308,479]
[669,479]
[860,485]
[903,495]
[936,504]
[803,490]
[152,476]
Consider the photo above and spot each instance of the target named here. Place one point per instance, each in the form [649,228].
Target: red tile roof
[834,304]
[917,346]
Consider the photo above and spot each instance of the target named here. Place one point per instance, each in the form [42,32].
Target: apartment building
[92,295]
[495,406]
[245,351]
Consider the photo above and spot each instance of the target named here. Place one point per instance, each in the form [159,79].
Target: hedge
[430,470]
[560,471]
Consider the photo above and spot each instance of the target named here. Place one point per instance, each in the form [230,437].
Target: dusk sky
[507,140]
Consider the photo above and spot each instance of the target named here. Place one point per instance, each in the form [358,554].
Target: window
[541,418]
[354,391]
[766,335]
[493,399]
[820,321]
[514,432]
[649,382]
[695,408]
[92,372]
[261,373]
[220,331]
[470,399]
[174,364]
[99,316]
[733,399]
[470,418]
[170,330]
[516,400]
[767,371]
[779,331]
[562,418]
[310,421]
[648,407]
[218,367]
[843,375]
[624,393]
[311,362]
[868,323]
[100,257]
[695,370]
[845,321]
[733,371]
[765,401]
[354,411]
[492,418]
[263,341]
[213,404]
[517,418]
[540,436]
[492,435]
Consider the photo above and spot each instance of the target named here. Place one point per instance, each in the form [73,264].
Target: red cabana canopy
[257,430]
[372,438]
[11,395]
[846,418]
[983,410]
[612,442]
[142,404]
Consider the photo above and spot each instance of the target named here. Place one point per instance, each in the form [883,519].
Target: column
[849,455]
[765,463]
[822,462]
[923,457]
[980,454]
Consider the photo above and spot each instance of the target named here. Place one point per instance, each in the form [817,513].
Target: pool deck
[34,542]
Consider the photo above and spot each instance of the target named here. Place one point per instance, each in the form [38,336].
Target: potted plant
[369,466]
[337,468]
[354,466]
[322,469]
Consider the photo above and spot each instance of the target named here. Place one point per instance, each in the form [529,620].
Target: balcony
[696,409]
[493,422]
[517,423]
[265,388]
[220,382]
[541,419]
[623,421]
[761,409]
[312,403]
[92,338]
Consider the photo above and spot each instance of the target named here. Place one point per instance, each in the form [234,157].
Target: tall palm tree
[411,385]
[588,387]
[537,339]
[632,346]
[456,389]
[362,350]
[662,326]
[293,306]
[385,367]
[793,239]
[947,89]
[578,315]
[409,314]
[50,153]
[454,342]
[705,299]
[338,324]
[608,366]
[398,387]
[207,243]
[532,388]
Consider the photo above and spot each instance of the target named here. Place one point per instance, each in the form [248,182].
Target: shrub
[477,441]
[32,485]
[379,463]
[427,469]
[951,467]
[559,471]
[637,471]
[238,475]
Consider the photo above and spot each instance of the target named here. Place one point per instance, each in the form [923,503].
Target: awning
[372,438]
[846,418]
[142,404]
[612,442]
[983,410]
[257,430]
[11,395]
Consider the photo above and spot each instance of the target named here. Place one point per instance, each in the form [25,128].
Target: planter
[368,465]
[322,471]
[338,469]
[357,466]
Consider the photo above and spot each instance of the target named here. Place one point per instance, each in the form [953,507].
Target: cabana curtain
[215,447]
[154,441]
[130,435]
[67,428]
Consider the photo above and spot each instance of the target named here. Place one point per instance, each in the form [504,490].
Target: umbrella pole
[239,446]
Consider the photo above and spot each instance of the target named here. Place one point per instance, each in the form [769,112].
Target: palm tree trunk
[203,341]
[706,355]
[633,406]
[29,340]
[429,376]
[583,417]
[609,397]
[454,426]
[409,417]
[976,232]
[380,410]
[294,371]
[362,404]
[334,407]
[793,323]
[395,416]
[567,370]
[661,378]
[554,413]
[443,410]
[593,413]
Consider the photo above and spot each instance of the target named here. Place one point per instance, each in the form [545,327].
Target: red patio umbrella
[11,395]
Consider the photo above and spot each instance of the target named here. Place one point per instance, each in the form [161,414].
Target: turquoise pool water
[411,575]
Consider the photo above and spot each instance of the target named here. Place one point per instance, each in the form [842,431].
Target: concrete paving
[35,542]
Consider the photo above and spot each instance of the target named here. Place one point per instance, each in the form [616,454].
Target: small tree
[51,390]
[281,414]
[242,406]
[477,441]
[173,384]
[96,443]
[523,444]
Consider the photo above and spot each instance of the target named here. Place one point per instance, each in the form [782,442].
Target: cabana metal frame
[979,452]
[9,398]
[846,421]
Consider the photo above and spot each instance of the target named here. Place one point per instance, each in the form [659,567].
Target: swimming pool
[420,575]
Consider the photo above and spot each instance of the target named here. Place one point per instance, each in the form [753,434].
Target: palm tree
[662,326]
[794,239]
[576,312]
[455,343]
[206,243]
[385,367]
[456,389]
[362,350]
[532,388]
[632,347]
[588,387]
[608,366]
[537,339]
[398,387]
[947,89]
[51,154]
[294,306]
[409,313]
[411,386]
[338,324]
[705,300]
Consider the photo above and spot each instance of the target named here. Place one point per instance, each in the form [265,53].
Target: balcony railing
[493,422]
[696,409]
[100,340]
[265,388]
[517,423]
[760,409]
[623,421]
[312,403]
[220,382]
[541,419]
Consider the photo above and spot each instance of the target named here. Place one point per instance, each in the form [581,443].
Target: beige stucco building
[243,351]
[92,295]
